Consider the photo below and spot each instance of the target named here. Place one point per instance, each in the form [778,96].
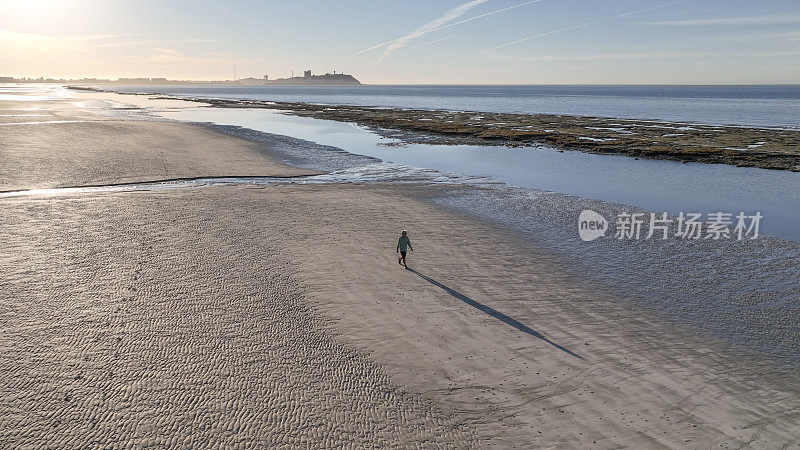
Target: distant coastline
[328,79]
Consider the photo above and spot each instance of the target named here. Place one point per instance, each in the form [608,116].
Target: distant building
[7,79]
[266,77]
[133,80]
[307,74]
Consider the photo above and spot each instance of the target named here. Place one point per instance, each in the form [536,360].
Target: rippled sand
[137,320]
[278,315]
[71,147]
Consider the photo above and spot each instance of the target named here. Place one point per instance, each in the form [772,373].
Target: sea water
[760,106]
[655,185]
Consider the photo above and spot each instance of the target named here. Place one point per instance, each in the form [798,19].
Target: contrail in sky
[451,24]
[486,14]
[577,26]
[452,14]
[432,42]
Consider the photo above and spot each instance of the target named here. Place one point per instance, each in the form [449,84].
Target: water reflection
[650,184]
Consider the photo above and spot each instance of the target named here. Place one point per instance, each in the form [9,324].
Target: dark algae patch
[740,146]
[768,148]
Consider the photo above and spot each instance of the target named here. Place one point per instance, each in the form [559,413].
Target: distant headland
[306,80]
[328,79]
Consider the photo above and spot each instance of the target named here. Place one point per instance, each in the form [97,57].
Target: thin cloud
[432,42]
[151,42]
[377,46]
[98,37]
[586,24]
[449,16]
[757,20]
[768,36]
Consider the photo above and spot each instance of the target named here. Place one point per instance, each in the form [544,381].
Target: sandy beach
[79,148]
[265,316]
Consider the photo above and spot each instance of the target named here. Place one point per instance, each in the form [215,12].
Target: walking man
[402,243]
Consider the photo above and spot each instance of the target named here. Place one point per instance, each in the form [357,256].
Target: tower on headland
[308,79]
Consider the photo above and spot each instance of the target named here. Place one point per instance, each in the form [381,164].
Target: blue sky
[459,42]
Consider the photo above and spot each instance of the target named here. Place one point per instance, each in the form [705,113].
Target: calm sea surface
[651,184]
[762,106]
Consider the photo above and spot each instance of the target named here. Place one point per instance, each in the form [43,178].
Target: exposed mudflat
[739,146]
[767,148]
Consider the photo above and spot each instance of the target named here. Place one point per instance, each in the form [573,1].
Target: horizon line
[85,80]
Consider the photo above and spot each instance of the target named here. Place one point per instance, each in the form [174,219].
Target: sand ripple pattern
[151,321]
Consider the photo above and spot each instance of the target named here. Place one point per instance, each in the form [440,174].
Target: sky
[409,41]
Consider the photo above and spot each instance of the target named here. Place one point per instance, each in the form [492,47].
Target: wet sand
[278,315]
[78,148]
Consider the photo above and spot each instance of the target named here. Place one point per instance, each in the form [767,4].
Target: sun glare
[27,12]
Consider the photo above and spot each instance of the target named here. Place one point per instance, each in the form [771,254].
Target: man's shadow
[493,312]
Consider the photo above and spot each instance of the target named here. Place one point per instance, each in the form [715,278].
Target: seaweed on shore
[768,148]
